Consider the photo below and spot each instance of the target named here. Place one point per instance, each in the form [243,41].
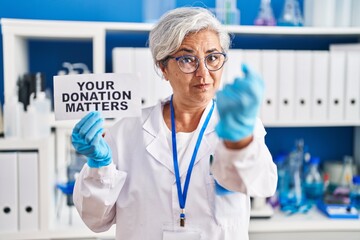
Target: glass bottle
[313,185]
[342,191]
[291,14]
[265,16]
[355,192]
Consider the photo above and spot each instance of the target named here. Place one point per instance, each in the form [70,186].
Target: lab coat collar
[159,149]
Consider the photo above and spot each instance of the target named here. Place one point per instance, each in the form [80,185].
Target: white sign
[114,95]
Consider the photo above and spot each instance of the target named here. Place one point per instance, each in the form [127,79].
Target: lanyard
[182,194]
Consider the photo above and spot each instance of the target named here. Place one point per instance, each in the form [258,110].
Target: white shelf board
[35,28]
[312,124]
[313,221]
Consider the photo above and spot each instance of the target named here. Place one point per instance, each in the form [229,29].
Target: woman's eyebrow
[212,50]
[192,51]
[185,50]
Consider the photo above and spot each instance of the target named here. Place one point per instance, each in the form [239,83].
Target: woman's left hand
[238,105]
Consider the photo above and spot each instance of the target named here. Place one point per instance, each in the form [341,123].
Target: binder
[352,86]
[286,85]
[336,85]
[320,85]
[232,68]
[123,60]
[303,70]
[269,69]
[8,192]
[145,69]
[253,59]
[155,87]
[28,191]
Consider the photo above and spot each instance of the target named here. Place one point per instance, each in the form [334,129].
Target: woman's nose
[202,71]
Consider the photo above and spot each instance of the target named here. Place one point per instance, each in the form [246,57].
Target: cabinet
[17,32]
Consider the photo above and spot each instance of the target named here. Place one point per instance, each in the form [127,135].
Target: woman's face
[199,87]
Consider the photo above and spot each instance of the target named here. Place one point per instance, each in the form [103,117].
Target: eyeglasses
[190,63]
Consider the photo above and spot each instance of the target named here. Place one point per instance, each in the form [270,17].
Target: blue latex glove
[87,140]
[238,104]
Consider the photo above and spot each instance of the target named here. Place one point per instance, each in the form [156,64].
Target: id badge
[181,235]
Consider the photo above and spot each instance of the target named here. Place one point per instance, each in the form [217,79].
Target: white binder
[320,84]
[269,69]
[336,85]
[139,61]
[123,60]
[145,69]
[233,66]
[352,86]
[286,85]
[28,175]
[303,70]
[253,59]
[8,192]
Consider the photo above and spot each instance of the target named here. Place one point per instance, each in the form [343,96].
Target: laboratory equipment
[154,9]
[42,107]
[313,184]
[13,110]
[265,16]
[339,193]
[355,193]
[338,210]
[291,14]
[226,12]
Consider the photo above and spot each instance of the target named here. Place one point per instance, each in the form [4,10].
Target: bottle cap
[280,159]
[314,160]
[356,179]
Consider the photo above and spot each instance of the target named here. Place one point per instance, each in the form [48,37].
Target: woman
[187,168]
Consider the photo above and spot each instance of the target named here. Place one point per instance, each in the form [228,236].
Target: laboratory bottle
[282,189]
[342,190]
[355,192]
[291,14]
[265,16]
[294,167]
[42,106]
[154,9]
[313,184]
[12,116]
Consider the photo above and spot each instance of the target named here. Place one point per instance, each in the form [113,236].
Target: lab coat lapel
[158,146]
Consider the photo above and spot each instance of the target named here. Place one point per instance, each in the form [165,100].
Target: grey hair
[168,34]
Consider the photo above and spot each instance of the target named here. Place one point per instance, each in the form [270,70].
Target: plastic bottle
[313,185]
[154,9]
[282,189]
[13,110]
[42,106]
[355,192]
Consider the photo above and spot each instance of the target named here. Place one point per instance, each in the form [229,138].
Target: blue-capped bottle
[355,192]
[313,185]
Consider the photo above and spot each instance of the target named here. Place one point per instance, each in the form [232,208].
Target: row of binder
[304,86]
[19,191]
[300,86]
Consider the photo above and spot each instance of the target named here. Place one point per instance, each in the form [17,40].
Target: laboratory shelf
[292,227]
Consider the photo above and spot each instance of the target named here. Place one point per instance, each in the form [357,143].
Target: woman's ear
[163,70]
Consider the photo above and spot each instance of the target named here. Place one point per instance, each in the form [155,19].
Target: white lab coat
[138,190]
